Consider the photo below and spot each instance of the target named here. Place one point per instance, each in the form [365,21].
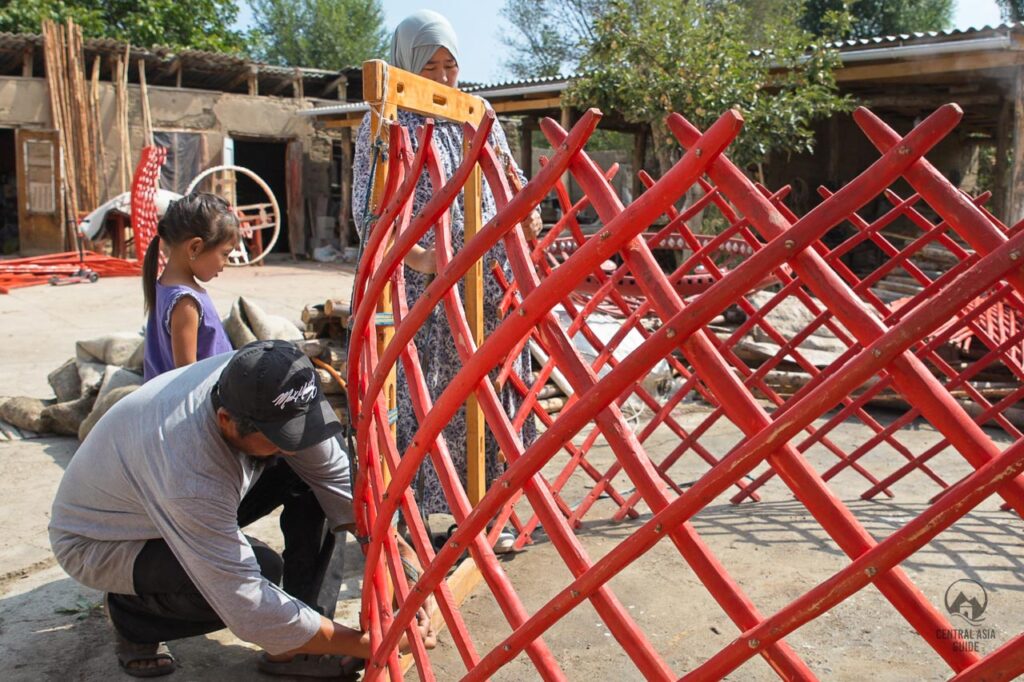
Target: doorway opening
[8,193]
[267,159]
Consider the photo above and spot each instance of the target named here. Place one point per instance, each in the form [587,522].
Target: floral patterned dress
[434,343]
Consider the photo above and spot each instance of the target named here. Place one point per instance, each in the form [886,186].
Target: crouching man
[151,507]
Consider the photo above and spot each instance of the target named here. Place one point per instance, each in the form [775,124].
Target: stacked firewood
[325,325]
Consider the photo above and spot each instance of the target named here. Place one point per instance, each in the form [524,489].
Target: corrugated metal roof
[519,83]
[200,69]
[880,42]
[926,37]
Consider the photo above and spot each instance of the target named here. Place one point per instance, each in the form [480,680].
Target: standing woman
[425,43]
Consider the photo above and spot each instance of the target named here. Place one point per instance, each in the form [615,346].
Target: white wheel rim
[241,256]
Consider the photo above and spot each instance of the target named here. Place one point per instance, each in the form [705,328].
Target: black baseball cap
[274,385]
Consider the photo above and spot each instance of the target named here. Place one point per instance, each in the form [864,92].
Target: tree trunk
[667,151]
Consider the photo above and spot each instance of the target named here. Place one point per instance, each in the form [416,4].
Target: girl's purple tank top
[212,340]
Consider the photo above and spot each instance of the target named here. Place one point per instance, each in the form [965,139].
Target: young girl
[198,231]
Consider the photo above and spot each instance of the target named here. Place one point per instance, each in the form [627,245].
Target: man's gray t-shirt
[156,466]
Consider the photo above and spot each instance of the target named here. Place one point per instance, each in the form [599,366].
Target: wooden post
[381,103]
[27,60]
[147,119]
[1001,191]
[476,451]
[834,157]
[639,155]
[1016,190]
[526,145]
[252,81]
[177,68]
[345,210]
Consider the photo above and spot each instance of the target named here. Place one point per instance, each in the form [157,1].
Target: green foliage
[536,47]
[652,57]
[1012,10]
[327,34]
[880,17]
[196,24]
[547,36]
[82,608]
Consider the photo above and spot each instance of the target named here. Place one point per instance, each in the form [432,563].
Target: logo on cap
[301,396]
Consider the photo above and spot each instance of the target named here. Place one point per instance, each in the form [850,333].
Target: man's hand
[408,554]
[427,633]
[532,225]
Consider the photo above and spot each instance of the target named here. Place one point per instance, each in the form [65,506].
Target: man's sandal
[129,653]
[313,665]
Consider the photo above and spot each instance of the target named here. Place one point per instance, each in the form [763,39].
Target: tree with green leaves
[653,57]
[328,34]
[196,24]
[547,36]
[880,17]
[1012,10]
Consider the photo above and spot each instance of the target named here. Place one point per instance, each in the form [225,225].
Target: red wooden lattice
[765,258]
[144,186]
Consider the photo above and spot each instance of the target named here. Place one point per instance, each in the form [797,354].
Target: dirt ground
[53,629]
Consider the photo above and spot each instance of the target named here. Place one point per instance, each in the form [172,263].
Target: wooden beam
[28,58]
[418,94]
[639,156]
[521,105]
[243,76]
[345,210]
[343,122]
[1016,204]
[297,86]
[923,67]
[147,119]
[281,87]
[834,152]
[461,583]
[931,101]
[174,70]
[1004,135]
[526,145]
[476,450]
[340,84]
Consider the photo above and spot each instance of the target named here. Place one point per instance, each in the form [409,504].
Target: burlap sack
[103,403]
[91,374]
[237,326]
[65,382]
[65,418]
[26,413]
[266,326]
[121,349]
[116,377]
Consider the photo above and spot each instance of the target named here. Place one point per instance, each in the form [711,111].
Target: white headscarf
[417,38]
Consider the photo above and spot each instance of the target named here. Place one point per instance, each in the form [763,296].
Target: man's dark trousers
[166,604]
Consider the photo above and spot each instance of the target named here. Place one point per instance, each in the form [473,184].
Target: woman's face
[442,68]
